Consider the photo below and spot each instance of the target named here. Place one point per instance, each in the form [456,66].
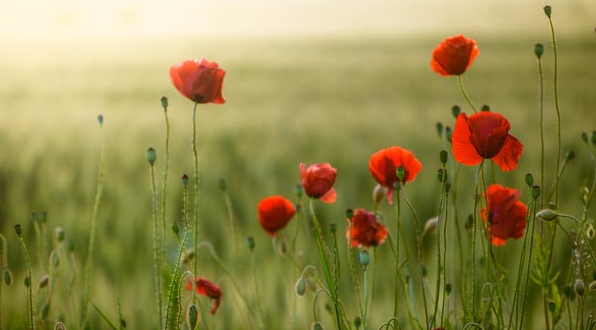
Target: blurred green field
[334,98]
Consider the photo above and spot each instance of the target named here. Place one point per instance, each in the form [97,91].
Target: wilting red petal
[463,151]
[509,155]
[274,213]
[383,165]
[199,80]
[364,229]
[317,181]
[507,215]
[454,55]
[208,289]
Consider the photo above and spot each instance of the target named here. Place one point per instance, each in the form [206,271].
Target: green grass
[334,100]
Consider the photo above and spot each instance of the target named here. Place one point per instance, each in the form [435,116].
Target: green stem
[196,188]
[156,247]
[91,248]
[258,296]
[397,264]
[463,91]
[29,287]
[164,191]
[542,170]
[552,30]
[440,271]
[365,298]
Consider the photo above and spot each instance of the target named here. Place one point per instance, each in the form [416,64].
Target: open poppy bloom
[317,181]
[485,135]
[454,55]
[365,230]
[506,214]
[383,165]
[208,289]
[199,80]
[274,213]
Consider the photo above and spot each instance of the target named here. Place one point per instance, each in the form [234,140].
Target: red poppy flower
[384,163]
[318,180]
[454,55]
[485,135]
[198,80]
[365,230]
[274,213]
[506,215]
[208,289]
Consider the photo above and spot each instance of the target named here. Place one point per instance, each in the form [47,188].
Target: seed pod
[59,232]
[316,326]
[18,229]
[184,180]
[300,287]
[439,127]
[44,280]
[364,258]
[535,192]
[547,214]
[529,179]
[547,11]
[7,275]
[164,103]
[45,310]
[357,322]
[192,317]
[151,156]
[579,287]
[443,156]
[455,110]
[538,50]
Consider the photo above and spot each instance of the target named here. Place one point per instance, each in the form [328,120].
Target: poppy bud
[529,179]
[378,194]
[364,258]
[300,287]
[192,317]
[250,242]
[151,156]
[552,307]
[164,103]
[59,232]
[400,172]
[431,225]
[7,275]
[43,217]
[448,288]
[547,10]
[485,107]
[447,187]
[54,259]
[585,137]
[223,186]
[175,229]
[43,281]
[568,292]
[579,287]
[439,127]
[455,110]
[592,286]
[27,281]
[469,222]
[443,156]
[282,247]
[123,323]
[316,326]
[538,50]
[594,138]
[449,134]
[70,245]
[299,191]
[18,229]
[547,214]
[100,120]
[535,192]
[357,322]
[332,228]
[45,310]
[569,155]
[424,270]
[184,180]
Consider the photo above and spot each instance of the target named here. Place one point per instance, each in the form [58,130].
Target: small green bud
[538,50]
[443,156]
[27,281]
[184,180]
[469,222]
[579,287]
[123,323]
[448,288]
[7,275]
[455,110]
[552,307]
[439,127]
[223,186]
[447,187]
[485,107]
[585,137]
[357,322]
[594,138]
[45,310]
[349,213]
[18,229]
[151,156]
[423,270]
[300,287]
[43,217]
[100,120]
[192,317]
[547,215]
[250,242]
[59,232]
[529,179]
[299,191]
[70,245]
[568,292]
[364,258]
[449,134]
[333,228]
[175,229]
[316,326]
[547,10]
[397,186]
[44,280]
[400,172]
[282,247]
[535,192]
[164,103]
[378,194]
[569,155]
[54,259]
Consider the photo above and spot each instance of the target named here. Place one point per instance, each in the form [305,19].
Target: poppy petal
[509,155]
[463,151]
[329,196]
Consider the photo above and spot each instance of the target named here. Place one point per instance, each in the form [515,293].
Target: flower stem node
[300,287]
[538,50]
[547,10]
[151,156]
[455,110]
[547,214]
[192,317]
[364,258]
[529,180]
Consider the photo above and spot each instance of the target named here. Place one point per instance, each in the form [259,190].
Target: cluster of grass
[325,100]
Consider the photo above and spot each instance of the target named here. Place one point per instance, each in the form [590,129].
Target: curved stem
[164,190]
[156,247]
[463,91]
[397,265]
[196,188]
[29,287]
[552,30]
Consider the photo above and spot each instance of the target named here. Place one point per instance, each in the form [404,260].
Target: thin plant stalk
[29,287]
[91,248]
[156,246]
[365,297]
[556,96]
[542,170]
[463,91]
[164,184]
[257,293]
[397,264]
[196,188]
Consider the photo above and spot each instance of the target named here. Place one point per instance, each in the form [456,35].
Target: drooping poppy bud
[454,55]
[317,181]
